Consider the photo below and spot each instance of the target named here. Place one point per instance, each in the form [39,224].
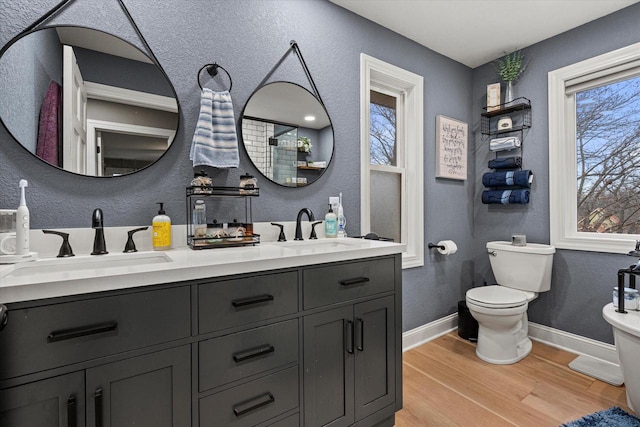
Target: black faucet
[299,219]
[99,246]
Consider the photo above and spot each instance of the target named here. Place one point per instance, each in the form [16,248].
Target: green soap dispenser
[330,224]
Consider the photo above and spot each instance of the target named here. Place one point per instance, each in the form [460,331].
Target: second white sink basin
[86,262]
[312,244]
[306,247]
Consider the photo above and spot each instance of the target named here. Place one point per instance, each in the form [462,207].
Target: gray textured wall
[27,69]
[582,281]
[115,71]
[248,37]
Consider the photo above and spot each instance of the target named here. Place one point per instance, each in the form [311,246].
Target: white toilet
[501,310]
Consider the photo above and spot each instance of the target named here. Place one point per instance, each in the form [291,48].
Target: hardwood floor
[445,384]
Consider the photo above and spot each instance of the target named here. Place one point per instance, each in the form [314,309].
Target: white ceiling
[88,38]
[287,103]
[475,32]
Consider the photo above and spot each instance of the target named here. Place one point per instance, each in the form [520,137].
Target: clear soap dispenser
[330,223]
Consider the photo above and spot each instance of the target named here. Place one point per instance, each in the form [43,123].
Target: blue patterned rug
[612,417]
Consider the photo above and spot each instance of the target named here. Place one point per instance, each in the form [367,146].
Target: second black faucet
[310,216]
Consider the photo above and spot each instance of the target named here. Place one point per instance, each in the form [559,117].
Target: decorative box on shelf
[223,234]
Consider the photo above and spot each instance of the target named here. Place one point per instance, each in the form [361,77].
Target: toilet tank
[527,268]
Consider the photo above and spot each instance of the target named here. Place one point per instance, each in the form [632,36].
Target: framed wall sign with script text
[451,148]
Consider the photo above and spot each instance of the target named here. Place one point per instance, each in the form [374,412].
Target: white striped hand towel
[215,142]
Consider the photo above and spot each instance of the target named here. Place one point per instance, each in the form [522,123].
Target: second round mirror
[287,134]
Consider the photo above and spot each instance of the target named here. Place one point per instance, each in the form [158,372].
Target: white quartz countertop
[56,277]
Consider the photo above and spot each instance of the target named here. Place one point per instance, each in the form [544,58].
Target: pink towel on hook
[49,133]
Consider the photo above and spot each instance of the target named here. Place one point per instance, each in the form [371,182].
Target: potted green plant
[304,144]
[510,67]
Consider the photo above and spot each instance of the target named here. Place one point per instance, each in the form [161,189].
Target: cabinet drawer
[229,358]
[252,403]
[54,335]
[335,283]
[240,301]
[290,421]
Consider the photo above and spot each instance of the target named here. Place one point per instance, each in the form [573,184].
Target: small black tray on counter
[198,243]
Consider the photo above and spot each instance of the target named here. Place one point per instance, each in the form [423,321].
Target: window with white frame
[594,153]
[391,130]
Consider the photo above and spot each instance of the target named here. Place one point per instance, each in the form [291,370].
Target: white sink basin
[311,244]
[303,247]
[84,263]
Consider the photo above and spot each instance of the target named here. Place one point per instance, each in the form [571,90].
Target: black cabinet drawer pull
[97,400]
[253,404]
[253,352]
[360,334]
[240,302]
[71,412]
[354,281]
[348,336]
[4,316]
[82,331]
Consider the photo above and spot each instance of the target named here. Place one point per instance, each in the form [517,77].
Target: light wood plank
[617,395]
[433,404]
[446,384]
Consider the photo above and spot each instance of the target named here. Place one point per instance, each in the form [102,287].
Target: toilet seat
[498,297]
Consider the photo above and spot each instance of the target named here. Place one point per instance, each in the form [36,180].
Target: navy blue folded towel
[521,178]
[506,163]
[505,197]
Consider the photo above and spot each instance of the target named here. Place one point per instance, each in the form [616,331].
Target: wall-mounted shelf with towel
[520,108]
[223,234]
[508,183]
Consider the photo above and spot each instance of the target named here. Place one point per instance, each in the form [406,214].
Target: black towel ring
[212,69]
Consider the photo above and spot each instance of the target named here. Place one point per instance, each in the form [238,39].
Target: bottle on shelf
[199,219]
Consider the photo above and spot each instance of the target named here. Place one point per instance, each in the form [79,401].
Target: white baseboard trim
[430,331]
[553,337]
[573,343]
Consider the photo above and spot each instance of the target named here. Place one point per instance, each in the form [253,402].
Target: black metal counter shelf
[210,241]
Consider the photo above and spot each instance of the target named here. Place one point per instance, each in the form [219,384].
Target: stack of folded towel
[517,182]
[505,197]
[522,178]
[506,163]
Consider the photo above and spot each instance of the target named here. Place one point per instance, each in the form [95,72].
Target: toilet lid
[497,296]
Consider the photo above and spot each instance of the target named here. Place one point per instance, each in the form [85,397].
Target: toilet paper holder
[444,247]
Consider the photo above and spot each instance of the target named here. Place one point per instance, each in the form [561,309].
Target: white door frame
[130,97]
[74,114]
[94,126]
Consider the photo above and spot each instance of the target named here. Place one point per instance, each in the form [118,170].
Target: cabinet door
[375,356]
[55,402]
[328,368]
[147,391]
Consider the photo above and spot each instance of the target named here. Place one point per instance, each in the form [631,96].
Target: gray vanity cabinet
[153,390]
[374,336]
[310,346]
[104,357]
[328,368]
[350,349]
[54,402]
[349,363]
